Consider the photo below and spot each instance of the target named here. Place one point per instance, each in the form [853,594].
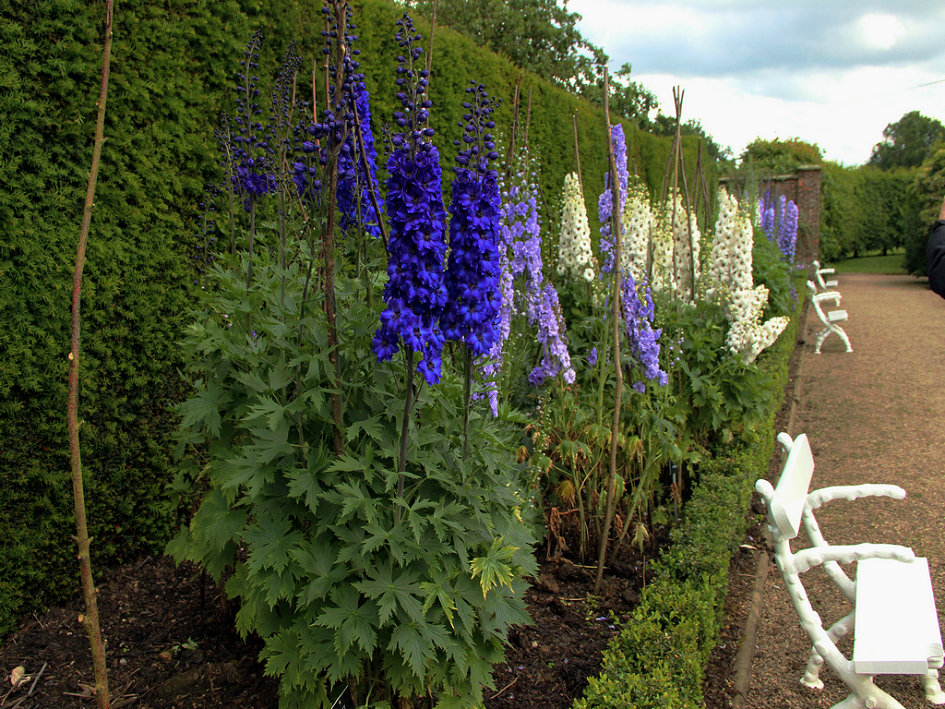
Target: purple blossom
[493,364]
[644,340]
[592,356]
[521,232]
[474,270]
[766,213]
[415,292]
[248,151]
[780,225]
[605,204]
[787,229]
[554,348]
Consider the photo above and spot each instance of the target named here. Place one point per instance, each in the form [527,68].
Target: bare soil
[171,642]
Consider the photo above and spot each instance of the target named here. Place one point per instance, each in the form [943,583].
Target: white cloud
[880,30]
[830,72]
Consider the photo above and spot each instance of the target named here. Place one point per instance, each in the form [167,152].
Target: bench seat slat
[896,628]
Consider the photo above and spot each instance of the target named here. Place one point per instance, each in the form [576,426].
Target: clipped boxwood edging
[659,657]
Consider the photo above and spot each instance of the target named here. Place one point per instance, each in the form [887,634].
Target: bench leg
[846,340]
[811,676]
[823,334]
[933,690]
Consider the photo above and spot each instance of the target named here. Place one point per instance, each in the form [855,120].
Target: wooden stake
[615,317]
[89,619]
[577,153]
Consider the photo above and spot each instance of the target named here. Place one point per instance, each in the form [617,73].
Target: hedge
[173,64]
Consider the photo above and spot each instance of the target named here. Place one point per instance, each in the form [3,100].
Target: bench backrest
[787,505]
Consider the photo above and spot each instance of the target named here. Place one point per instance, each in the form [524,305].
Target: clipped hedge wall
[658,659]
[173,64]
[171,67]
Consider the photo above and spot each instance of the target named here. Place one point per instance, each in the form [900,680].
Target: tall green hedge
[173,63]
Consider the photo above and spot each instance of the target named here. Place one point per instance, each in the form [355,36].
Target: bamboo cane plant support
[89,619]
[615,316]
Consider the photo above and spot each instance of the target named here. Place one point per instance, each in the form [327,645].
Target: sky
[830,72]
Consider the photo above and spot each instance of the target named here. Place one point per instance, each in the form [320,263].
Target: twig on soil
[36,679]
[504,688]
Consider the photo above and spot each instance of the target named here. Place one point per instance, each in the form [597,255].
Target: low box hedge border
[659,657]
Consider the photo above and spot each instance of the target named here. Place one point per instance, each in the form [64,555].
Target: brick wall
[802,188]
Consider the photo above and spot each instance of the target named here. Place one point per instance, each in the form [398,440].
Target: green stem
[467,398]
[404,430]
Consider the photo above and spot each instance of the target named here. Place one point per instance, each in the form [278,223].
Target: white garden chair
[894,621]
[830,319]
[820,272]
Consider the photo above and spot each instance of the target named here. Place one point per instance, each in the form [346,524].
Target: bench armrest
[817,498]
[807,559]
[828,269]
[827,295]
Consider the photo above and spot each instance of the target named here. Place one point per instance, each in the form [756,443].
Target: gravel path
[874,415]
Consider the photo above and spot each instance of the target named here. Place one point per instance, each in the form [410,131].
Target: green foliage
[658,659]
[929,192]
[780,157]
[770,267]
[172,69]
[908,142]
[540,36]
[169,65]
[720,396]
[867,210]
[838,205]
[339,588]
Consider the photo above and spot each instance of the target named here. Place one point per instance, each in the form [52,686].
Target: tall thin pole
[577,153]
[615,317]
[90,618]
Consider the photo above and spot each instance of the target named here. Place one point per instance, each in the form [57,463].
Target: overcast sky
[830,72]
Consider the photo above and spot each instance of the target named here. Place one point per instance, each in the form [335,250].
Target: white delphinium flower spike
[686,238]
[637,222]
[575,258]
[662,278]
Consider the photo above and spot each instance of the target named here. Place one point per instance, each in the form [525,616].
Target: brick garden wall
[803,188]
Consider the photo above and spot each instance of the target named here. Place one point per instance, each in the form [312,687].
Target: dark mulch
[171,643]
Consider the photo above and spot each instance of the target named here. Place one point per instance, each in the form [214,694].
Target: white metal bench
[831,319]
[894,621]
[820,272]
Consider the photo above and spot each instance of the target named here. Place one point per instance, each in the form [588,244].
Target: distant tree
[780,156]
[540,36]
[838,227]
[929,190]
[666,125]
[628,99]
[907,142]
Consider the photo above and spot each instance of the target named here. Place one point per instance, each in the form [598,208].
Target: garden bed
[171,643]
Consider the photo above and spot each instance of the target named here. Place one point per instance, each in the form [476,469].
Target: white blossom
[575,258]
[637,222]
[730,281]
[686,239]
[662,277]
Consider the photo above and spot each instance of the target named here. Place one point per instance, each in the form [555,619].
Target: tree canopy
[907,142]
[780,156]
[540,36]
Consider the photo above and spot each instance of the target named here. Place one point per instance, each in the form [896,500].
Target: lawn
[891,263]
